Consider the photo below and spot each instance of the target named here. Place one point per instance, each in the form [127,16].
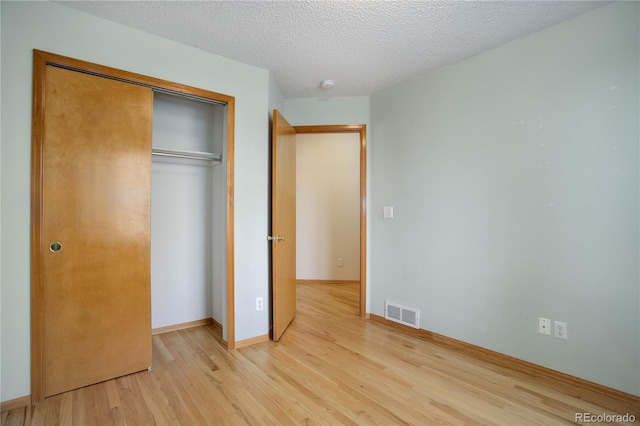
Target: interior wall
[327,111]
[219,221]
[276,99]
[514,180]
[55,28]
[328,206]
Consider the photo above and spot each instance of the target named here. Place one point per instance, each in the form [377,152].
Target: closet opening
[188,213]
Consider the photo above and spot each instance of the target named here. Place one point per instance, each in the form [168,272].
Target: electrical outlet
[560,330]
[259,303]
[340,262]
[544,326]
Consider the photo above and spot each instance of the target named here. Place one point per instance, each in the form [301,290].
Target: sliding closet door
[95,246]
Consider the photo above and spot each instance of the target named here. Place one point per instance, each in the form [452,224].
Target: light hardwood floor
[329,368]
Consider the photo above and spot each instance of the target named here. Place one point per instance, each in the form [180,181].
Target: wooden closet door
[96,174]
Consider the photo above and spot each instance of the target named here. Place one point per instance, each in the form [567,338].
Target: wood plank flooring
[329,368]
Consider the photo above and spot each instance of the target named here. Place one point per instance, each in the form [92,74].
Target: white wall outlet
[387,212]
[544,326]
[340,262]
[259,303]
[560,330]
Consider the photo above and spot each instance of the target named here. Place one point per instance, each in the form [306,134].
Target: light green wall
[514,177]
[51,27]
[310,111]
[276,100]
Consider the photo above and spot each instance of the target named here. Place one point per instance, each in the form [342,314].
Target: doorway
[283,170]
[359,130]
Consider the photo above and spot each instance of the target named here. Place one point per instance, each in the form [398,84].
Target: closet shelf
[191,155]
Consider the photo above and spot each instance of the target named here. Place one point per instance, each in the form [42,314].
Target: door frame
[361,129]
[41,60]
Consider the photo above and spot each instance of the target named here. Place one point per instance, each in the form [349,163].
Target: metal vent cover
[402,314]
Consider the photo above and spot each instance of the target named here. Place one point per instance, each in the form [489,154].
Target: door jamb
[40,60]
[361,129]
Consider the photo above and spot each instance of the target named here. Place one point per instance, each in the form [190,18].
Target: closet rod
[192,155]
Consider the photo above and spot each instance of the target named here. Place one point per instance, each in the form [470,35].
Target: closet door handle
[275,238]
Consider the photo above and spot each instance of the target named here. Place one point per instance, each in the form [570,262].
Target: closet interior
[188,212]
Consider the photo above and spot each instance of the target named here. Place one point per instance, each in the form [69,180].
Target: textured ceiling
[364,46]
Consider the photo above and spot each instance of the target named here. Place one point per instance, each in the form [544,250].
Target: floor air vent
[402,314]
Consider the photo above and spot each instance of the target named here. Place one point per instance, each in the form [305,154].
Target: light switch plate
[387,212]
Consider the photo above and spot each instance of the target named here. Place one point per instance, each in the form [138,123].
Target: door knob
[275,238]
[55,247]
